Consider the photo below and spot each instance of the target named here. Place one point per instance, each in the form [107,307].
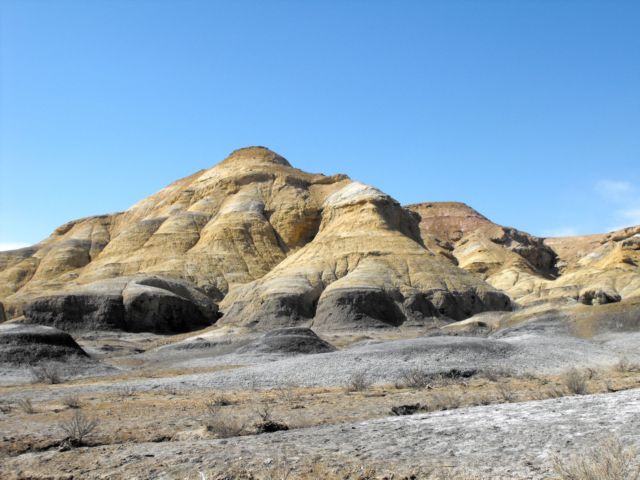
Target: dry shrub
[482,399]
[413,378]
[220,401]
[506,392]
[71,401]
[443,401]
[26,406]
[553,391]
[126,391]
[575,381]
[266,423]
[359,382]
[609,460]
[627,366]
[495,374]
[221,424]
[77,428]
[47,372]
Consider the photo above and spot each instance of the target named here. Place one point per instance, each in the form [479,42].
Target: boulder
[26,344]
[289,341]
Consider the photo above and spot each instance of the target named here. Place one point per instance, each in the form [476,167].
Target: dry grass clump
[575,381]
[553,391]
[495,374]
[609,460]
[26,406]
[413,378]
[71,401]
[359,382]
[220,424]
[627,366]
[506,392]
[77,428]
[442,401]
[5,407]
[314,469]
[126,391]
[47,372]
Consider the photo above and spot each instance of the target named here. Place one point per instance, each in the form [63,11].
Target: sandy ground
[515,440]
[150,393]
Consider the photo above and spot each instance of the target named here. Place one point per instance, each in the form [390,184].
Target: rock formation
[138,304]
[594,269]
[288,341]
[25,344]
[274,246]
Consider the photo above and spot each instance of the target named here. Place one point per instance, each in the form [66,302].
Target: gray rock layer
[144,304]
[25,344]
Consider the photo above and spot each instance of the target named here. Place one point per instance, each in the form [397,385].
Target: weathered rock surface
[366,261]
[227,225]
[139,304]
[290,341]
[594,269]
[277,247]
[24,344]
[281,246]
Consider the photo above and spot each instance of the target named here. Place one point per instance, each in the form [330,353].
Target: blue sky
[527,111]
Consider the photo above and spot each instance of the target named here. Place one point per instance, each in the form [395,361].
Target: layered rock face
[366,267]
[594,269]
[277,246]
[273,247]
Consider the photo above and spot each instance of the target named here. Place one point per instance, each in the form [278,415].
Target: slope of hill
[274,242]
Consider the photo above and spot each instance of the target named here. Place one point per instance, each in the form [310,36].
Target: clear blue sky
[529,111]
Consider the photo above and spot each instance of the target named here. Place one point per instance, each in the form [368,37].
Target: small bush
[26,406]
[359,382]
[126,391]
[266,423]
[495,374]
[482,399]
[626,366]
[443,401]
[48,372]
[71,401]
[608,461]
[413,378]
[576,382]
[220,424]
[77,428]
[551,392]
[220,401]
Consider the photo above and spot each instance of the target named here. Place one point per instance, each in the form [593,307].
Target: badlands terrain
[256,321]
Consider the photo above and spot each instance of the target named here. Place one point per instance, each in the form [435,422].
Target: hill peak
[255,155]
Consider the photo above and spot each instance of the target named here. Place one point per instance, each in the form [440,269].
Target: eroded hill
[258,242]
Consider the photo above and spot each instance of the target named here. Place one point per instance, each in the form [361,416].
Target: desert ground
[520,398]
